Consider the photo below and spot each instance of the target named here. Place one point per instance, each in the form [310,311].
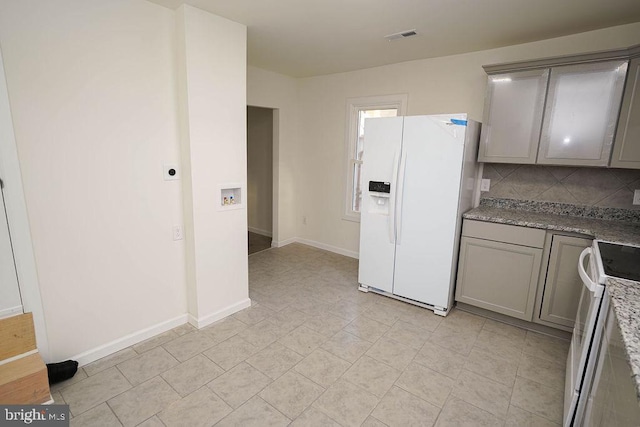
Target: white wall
[273,90]
[453,84]
[93,95]
[18,221]
[213,105]
[260,170]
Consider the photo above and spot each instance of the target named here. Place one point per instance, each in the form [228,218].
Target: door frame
[18,220]
[275,172]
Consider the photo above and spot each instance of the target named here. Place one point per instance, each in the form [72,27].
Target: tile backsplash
[581,186]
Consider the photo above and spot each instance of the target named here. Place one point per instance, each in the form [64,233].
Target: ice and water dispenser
[380,193]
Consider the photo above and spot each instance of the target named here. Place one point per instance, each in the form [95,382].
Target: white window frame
[354,106]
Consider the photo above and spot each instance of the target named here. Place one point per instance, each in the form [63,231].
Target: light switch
[636,197]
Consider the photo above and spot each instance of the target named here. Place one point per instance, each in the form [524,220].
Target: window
[359,109]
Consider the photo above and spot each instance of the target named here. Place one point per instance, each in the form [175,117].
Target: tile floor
[314,351]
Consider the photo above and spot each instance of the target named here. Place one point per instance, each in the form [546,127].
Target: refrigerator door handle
[400,194]
[391,220]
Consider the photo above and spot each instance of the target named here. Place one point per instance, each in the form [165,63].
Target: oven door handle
[590,284]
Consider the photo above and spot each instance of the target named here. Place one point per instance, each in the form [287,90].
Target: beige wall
[103,94]
[260,169]
[441,85]
[213,103]
[92,92]
[272,90]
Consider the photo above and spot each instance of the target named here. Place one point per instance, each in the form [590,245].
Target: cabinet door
[512,117]
[626,148]
[498,276]
[563,284]
[581,113]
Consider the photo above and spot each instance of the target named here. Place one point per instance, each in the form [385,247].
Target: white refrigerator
[419,176]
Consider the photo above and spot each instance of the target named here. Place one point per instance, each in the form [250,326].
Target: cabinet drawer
[514,234]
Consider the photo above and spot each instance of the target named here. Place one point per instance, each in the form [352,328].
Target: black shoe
[62,371]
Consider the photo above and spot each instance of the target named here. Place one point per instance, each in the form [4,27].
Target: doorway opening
[260,131]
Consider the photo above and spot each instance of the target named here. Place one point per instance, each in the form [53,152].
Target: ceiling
[303,38]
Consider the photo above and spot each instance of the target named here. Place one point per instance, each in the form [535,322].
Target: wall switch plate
[485,185]
[177,232]
[170,172]
[636,197]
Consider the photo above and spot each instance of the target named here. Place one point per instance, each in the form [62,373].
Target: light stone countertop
[625,294]
[625,299]
[610,231]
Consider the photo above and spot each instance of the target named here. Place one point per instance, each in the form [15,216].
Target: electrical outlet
[177,232]
[636,197]
[485,185]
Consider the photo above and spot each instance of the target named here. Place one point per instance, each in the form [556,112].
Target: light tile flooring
[314,351]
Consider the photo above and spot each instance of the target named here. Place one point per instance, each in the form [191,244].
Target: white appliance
[419,175]
[619,261]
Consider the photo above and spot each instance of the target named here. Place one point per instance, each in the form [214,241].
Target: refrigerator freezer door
[382,144]
[428,208]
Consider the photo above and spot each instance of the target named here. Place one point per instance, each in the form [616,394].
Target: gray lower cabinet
[612,398]
[498,267]
[526,273]
[561,286]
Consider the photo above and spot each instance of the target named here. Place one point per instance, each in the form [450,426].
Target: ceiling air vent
[401,35]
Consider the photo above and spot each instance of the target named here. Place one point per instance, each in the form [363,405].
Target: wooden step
[17,336]
[24,381]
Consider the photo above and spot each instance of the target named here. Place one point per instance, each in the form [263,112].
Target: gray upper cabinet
[581,113]
[626,149]
[564,111]
[512,116]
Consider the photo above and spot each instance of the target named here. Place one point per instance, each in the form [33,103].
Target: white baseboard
[261,232]
[99,352]
[11,311]
[334,249]
[281,243]
[139,336]
[219,315]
